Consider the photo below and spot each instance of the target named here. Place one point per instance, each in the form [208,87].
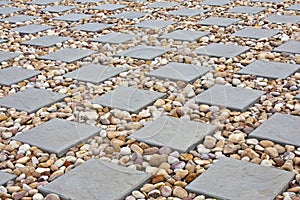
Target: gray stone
[5,55]
[10,10]
[178,134]
[280,128]
[43,2]
[31,99]
[290,47]
[94,73]
[99,180]
[268,1]
[218,21]
[256,33]
[283,19]
[230,97]
[297,96]
[11,75]
[114,38]
[187,12]
[88,1]
[215,2]
[221,50]
[109,7]
[151,23]
[184,35]
[57,135]
[179,72]
[246,9]
[4,2]
[235,179]
[32,28]
[93,27]
[128,15]
[144,52]
[17,19]
[163,4]
[294,7]
[46,41]
[68,55]
[271,70]
[57,9]
[128,99]
[73,17]
[5,177]
[3,40]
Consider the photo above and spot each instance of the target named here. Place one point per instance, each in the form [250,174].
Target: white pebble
[125,151]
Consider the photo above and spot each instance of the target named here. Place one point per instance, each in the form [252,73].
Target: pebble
[52,197]
[156,160]
[180,192]
[272,152]
[166,191]
[209,142]
[138,195]
[38,196]
[125,151]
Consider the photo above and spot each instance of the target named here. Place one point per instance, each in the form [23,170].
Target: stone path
[149,100]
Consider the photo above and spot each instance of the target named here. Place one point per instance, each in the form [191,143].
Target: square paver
[57,135]
[73,17]
[163,4]
[230,97]
[68,55]
[235,179]
[215,2]
[92,178]
[152,23]
[5,177]
[114,38]
[129,15]
[93,27]
[17,18]
[11,75]
[3,40]
[57,9]
[179,72]
[10,10]
[187,12]
[31,99]
[256,33]
[32,28]
[218,21]
[280,128]
[184,35]
[283,19]
[271,70]
[144,52]
[179,134]
[94,73]
[128,99]
[46,41]
[221,50]
[294,7]
[109,7]
[290,47]
[5,55]
[4,2]
[268,1]
[246,9]
[43,2]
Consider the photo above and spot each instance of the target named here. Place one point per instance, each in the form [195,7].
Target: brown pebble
[52,197]
[266,143]
[278,162]
[190,177]
[186,157]
[157,179]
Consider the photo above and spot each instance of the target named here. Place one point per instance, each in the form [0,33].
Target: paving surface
[146,99]
[282,128]
[60,135]
[92,176]
[230,97]
[185,134]
[241,180]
